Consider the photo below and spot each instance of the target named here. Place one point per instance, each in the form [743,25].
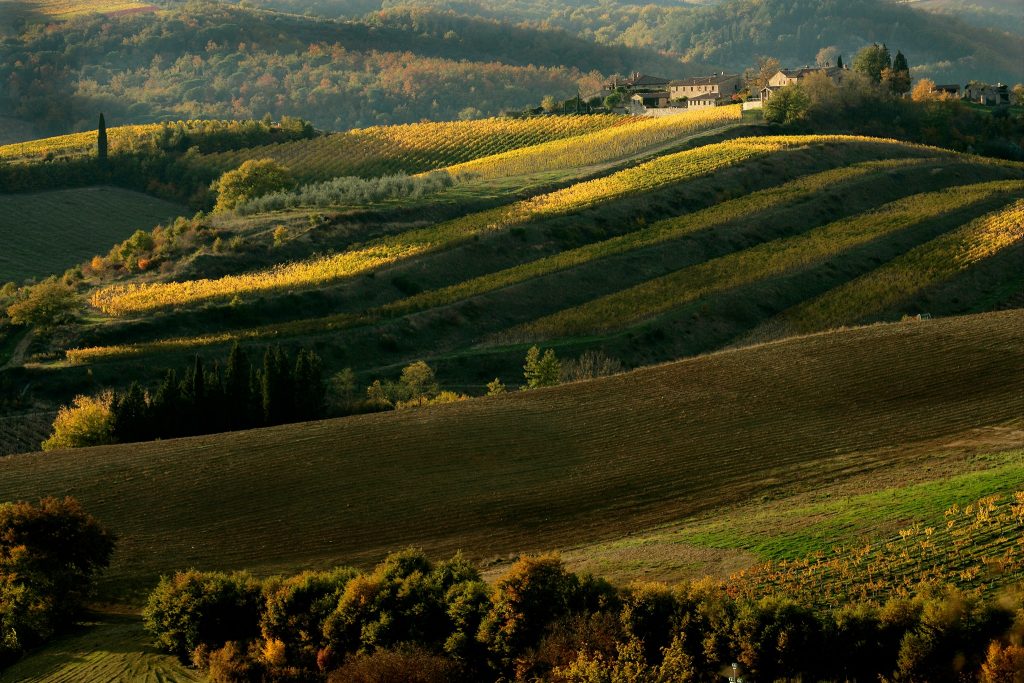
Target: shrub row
[413,619]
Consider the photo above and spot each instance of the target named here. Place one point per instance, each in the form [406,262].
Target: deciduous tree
[254,178]
[86,422]
[871,60]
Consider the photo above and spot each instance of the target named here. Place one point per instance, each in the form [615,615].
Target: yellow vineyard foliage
[898,280]
[630,138]
[415,147]
[123,299]
[771,258]
[75,144]
[63,9]
[661,231]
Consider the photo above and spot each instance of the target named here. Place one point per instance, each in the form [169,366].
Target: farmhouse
[704,101]
[786,77]
[651,100]
[719,86]
[990,95]
[638,82]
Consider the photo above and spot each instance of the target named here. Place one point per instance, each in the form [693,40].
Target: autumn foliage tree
[46,305]
[254,178]
[50,554]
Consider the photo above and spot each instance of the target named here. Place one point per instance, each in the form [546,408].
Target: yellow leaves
[133,298]
[607,145]
[415,147]
[740,268]
[896,281]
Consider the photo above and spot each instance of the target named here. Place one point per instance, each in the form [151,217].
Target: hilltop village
[645,94]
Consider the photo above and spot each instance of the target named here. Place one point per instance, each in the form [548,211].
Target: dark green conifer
[237,386]
[130,415]
[101,140]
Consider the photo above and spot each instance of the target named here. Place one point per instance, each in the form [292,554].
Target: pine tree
[165,408]
[101,140]
[541,371]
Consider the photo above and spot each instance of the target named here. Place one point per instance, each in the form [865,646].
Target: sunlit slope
[415,147]
[773,258]
[40,10]
[545,468]
[75,144]
[626,250]
[320,271]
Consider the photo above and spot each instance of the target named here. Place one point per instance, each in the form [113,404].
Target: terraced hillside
[681,253]
[46,233]
[533,470]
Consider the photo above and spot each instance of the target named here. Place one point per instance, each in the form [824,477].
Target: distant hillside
[535,470]
[1000,15]
[733,33]
[221,61]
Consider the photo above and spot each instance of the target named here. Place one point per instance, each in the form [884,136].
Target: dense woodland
[734,33]
[403,64]
[214,61]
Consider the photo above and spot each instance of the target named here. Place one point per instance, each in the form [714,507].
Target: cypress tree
[237,383]
[101,140]
[839,62]
[254,407]
[129,411]
[198,388]
[308,386]
[900,63]
[165,408]
[274,386]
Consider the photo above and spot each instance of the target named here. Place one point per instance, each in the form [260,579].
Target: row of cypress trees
[239,395]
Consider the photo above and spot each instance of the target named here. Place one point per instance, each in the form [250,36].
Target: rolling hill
[545,468]
[651,258]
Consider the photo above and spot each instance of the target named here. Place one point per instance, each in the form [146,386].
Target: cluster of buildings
[650,94]
[979,93]
[653,95]
[644,92]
